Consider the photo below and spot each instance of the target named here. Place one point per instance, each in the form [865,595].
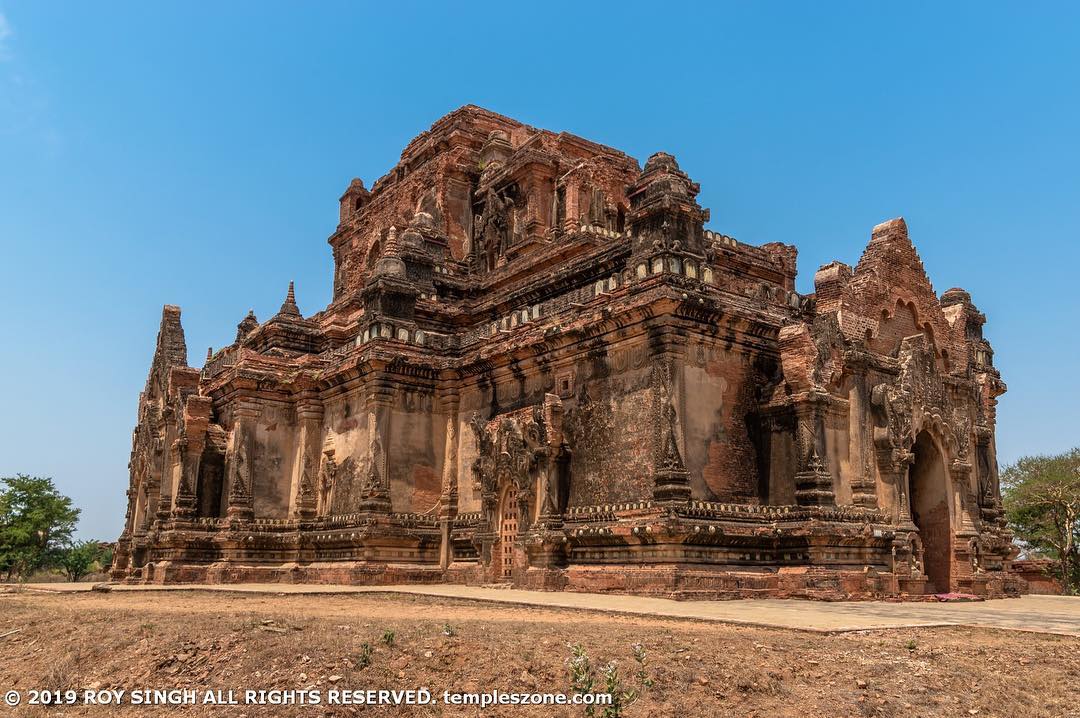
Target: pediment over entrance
[516,447]
[887,297]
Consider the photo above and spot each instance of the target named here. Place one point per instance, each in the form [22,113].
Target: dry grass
[215,640]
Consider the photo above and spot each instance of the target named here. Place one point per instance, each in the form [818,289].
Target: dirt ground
[691,668]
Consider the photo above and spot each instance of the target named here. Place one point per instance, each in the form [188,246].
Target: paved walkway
[1043,614]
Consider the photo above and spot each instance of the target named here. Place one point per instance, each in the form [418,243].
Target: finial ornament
[392,249]
[289,307]
[247,325]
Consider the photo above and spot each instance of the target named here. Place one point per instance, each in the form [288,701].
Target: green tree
[80,558]
[35,520]
[105,557]
[1042,501]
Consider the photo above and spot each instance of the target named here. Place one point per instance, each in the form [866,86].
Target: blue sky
[156,153]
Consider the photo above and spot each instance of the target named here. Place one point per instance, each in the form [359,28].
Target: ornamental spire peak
[289,308]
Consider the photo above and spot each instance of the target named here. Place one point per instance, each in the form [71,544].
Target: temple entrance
[929,497]
[508,530]
[208,490]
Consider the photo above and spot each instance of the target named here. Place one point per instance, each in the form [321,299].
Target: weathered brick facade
[538,366]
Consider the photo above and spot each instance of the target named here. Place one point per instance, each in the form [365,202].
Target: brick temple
[540,368]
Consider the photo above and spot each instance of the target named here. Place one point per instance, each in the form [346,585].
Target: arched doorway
[929,497]
[508,530]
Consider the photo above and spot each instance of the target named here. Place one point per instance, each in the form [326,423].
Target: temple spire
[389,263]
[393,244]
[247,325]
[171,350]
[289,308]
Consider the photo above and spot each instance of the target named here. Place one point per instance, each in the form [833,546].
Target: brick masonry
[529,325]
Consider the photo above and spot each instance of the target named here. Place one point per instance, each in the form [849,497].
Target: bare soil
[234,641]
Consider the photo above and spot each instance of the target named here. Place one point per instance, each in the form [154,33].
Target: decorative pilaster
[449,497]
[147,488]
[309,413]
[376,494]
[149,511]
[327,478]
[552,462]
[671,476]
[989,497]
[166,457]
[241,499]
[960,472]
[129,515]
[572,210]
[121,554]
[170,478]
[448,500]
[902,475]
[548,512]
[188,453]
[813,482]
[863,483]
